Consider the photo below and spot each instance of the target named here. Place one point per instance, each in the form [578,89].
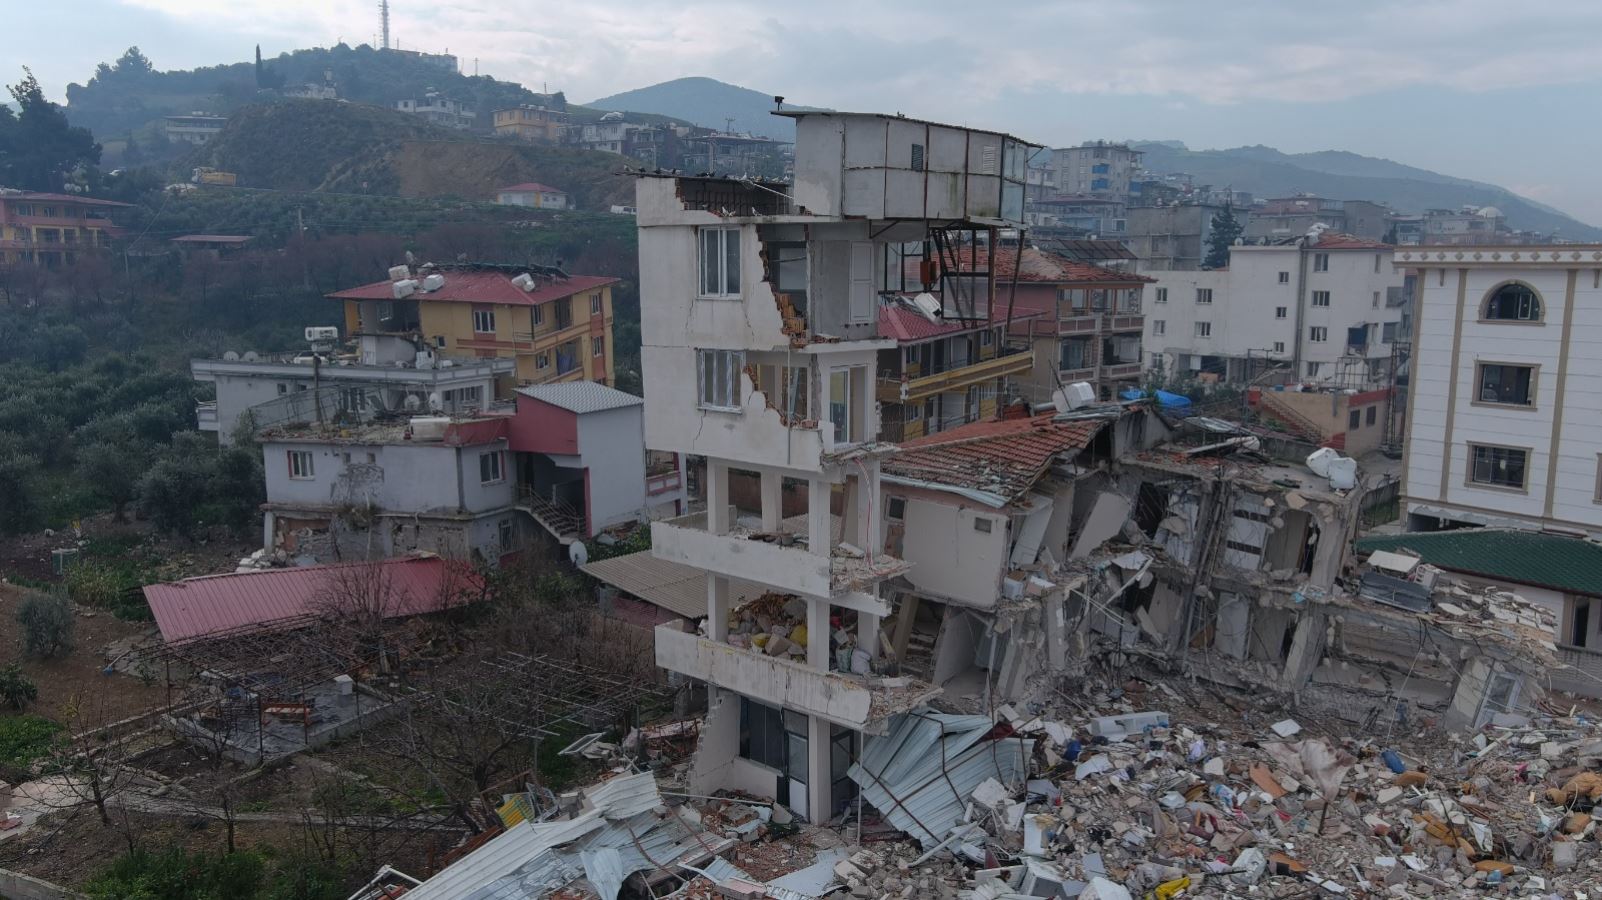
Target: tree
[39,149]
[19,493]
[47,625]
[16,689]
[169,494]
[113,472]
[1225,229]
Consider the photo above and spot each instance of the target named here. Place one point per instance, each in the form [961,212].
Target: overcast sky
[1494,90]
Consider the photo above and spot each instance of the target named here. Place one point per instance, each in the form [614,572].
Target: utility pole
[305,269]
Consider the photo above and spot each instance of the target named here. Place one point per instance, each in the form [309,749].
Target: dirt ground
[80,675]
[28,555]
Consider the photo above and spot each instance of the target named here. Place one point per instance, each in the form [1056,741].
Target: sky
[1492,90]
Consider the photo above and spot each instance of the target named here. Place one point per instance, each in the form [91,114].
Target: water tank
[1079,394]
[316,333]
[231,356]
[433,282]
[524,281]
[429,428]
[399,273]
[404,289]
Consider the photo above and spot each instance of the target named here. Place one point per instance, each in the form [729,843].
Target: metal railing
[560,518]
[1010,361]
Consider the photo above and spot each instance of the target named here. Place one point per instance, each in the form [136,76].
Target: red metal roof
[484,287]
[530,186]
[196,607]
[211,239]
[59,198]
[1335,240]
[1002,457]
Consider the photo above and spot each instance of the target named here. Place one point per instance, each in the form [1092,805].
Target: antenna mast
[383,13]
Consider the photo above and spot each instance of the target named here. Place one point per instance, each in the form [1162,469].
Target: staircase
[919,661]
[1298,424]
[564,522]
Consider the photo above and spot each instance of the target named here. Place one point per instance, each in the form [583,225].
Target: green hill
[706,102]
[1340,175]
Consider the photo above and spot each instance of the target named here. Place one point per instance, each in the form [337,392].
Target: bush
[110,584]
[25,738]
[47,624]
[176,874]
[16,689]
[19,493]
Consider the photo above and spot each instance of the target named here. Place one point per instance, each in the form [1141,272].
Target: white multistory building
[1506,388]
[760,315]
[1326,309]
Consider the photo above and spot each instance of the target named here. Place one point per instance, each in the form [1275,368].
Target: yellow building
[535,124]
[557,327]
[51,229]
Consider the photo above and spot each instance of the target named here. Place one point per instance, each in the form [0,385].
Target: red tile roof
[59,198]
[1039,267]
[1004,457]
[531,186]
[196,607]
[1335,240]
[484,287]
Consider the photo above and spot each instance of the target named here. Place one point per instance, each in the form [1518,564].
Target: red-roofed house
[557,327]
[532,193]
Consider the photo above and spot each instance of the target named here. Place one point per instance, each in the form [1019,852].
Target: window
[1312,370]
[1512,385]
[1354,419]
[1373,414]
[595,304]
[983,526]
[917,157]
[1279,312]
[1158,327]
[1320,262]
[536,316]
[718,375]
[492,467]
[762,737]
[1513,303]
[1377,258]
[484,321]
[1388,332]
[1284,278]
[1075,354]
[1321,298]
[1204,295]
[564,315]
[986,338]
[1502,467]
[1162,295]
[841,398]
[1279,346]
[1204,329]
[23,209]
[300,465]
[1375,304]
[439,340]
[720,262]
[1318,334]
[895,508]
[283,388]
[542,361]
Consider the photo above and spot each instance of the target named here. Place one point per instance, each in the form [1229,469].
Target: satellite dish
[230,356]
[250,356]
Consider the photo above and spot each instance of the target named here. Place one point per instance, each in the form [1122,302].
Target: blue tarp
[1172,401]
[1132,394]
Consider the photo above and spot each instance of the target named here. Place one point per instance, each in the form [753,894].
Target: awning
[673,586]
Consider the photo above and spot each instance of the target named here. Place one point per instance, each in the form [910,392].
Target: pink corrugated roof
[196,607]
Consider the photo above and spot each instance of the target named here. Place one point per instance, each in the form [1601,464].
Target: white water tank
[397,273]
[317,333]
[433,282]
[429,428]
[1078,395]
[404,289]
[524,281]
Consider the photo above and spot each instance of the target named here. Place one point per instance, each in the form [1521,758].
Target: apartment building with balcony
[532,123]
[761,343]
[1079,321]
[1097,169]
[195,128]
[440,110]
[554,326]
[942,374]
[1503,406]
[52,229]
[1325,309]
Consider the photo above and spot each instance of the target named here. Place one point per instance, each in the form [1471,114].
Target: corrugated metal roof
[680,589]
[921,774]
[1004,457]
[196,607]
[581,396]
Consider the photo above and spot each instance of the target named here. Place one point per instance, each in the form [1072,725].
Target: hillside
[309,145]
[1267,172]
[706,102]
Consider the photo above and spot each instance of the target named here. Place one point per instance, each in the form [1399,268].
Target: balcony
[206,415]
[1010,362]
[1121,370]
[663,483]
[1123,322]
[1078,324]
[780,560]
[858,702]
[1069,376]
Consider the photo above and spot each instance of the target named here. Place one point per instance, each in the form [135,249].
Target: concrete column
[268,519]
[1307,648]
[818,530]
[819,799]
[772,500]
[717,496]
[818,634]
[868,633]
[870,501]
[717,606]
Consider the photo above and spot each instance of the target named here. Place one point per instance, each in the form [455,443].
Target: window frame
[1161,295]
[1279,346]
[302,465]
[1469,479]
[1354,419]
[1204,330]
[1204,296]
[488,315]
[1537,300]
[1281,312]
[597,346]
[1531,391]
[1320,262]
[1159,327]
[596,306]
[722,285]
[1284,278]
[492,463]
[1318,334]
[1320,300]
[730,364]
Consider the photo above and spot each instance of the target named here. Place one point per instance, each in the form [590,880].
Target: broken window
[1506,384]
[720,262]
[787,270]
[717,374]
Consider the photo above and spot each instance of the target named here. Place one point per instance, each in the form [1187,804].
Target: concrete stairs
[1298,424]
[565,523]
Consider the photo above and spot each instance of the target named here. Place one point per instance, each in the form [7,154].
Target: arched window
[1513,302]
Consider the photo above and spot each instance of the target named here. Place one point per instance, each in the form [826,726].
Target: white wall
[612,446]
[1442,428]
[949,558]
[410,478]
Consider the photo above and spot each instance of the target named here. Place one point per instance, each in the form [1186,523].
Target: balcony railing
[1123,322]
[782,561]
[1120,370]
[206,415]
[663,483]
[1011,361]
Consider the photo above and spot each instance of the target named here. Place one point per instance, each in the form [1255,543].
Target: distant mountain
[1340,175]
[706,102]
